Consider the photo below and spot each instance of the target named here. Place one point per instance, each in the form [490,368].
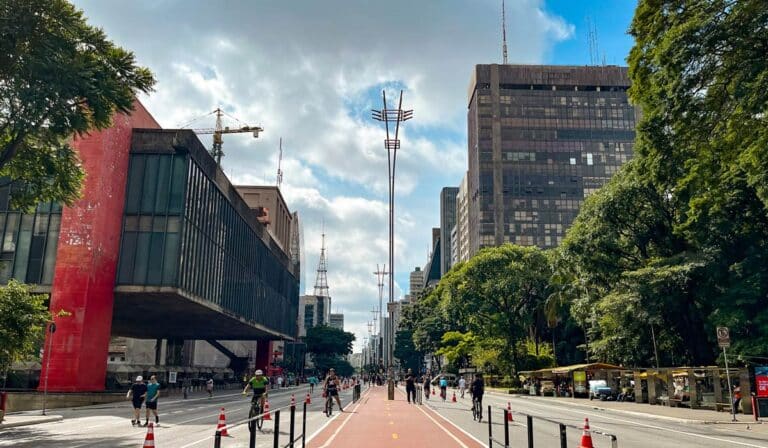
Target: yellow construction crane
[220,130]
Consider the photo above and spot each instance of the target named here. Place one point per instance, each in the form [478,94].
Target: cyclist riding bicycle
[259,384]
[331,387]
[477,389]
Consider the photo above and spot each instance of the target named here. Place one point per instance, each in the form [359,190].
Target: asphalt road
[183,423]
[632,431]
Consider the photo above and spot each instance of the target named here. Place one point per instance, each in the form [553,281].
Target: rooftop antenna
[279,163]
[594,50]
[503,33]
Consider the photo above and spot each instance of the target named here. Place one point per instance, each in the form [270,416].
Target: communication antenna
[503,33]
[279,163]
[594,49]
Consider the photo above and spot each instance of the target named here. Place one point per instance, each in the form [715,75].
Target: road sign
[723,337]
[172,377]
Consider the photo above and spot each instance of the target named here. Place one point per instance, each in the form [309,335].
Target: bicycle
[477,410]
[328,404]
[256,410]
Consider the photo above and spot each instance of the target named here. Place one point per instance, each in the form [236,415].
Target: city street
[632,431]
[183,423]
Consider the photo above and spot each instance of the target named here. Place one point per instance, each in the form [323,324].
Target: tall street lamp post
[51,330]
[392,144]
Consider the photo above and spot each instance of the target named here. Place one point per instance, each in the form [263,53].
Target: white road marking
[335,433]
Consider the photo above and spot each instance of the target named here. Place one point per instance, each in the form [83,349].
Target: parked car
[599,389]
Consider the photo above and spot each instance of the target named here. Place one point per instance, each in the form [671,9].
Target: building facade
[416,283]
[541,138]
[462,223]
[313,311]
[336,320]
[447,222]
[160,248]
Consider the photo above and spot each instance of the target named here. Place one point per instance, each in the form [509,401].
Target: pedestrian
[312,380]
[153,393]
[462,386]
[410,386]
[209,387]
[736,398]
[136,394]
[280,382]
[443,387]
[426,386]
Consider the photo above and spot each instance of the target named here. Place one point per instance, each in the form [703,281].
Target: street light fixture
[392,144]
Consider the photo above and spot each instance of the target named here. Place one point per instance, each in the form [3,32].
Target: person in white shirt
[462,386]
[280,382]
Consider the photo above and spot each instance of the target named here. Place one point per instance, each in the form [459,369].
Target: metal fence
[563,427]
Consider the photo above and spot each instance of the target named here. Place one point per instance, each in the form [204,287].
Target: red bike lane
[375,422]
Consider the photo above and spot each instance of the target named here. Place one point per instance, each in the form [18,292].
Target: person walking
[426,386]
[280,382]
[462,386]
[736,398]
[136,394]
[209,387]
[153,393]
[410,386]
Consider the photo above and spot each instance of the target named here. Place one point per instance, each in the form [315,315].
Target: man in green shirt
[153,393]
[259,384]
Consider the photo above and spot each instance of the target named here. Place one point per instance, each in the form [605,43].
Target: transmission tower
[321,282]
[504,33]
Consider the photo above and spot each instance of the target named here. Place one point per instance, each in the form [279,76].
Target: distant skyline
[310,75]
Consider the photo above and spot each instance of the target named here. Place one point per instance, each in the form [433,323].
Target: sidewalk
[679,414]
[22,419]
[376,422]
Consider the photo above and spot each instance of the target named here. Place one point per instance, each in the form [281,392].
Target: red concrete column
[86,259]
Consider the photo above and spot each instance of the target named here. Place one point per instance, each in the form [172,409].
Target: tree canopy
[327,346]
[59,78]
[23,317]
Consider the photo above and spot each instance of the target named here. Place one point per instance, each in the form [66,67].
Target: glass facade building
[29,240]
[541,139]
[184,230]
[447,222]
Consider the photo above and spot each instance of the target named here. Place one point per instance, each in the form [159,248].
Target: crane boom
[220,130]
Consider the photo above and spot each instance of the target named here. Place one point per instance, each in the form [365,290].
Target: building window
[573,160]
[589,158]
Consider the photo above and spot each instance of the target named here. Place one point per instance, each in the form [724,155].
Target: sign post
[724,341]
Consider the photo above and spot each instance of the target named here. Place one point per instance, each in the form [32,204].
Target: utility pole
[380,273]
[392,144]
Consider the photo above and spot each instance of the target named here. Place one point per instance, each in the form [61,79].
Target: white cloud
[304,72]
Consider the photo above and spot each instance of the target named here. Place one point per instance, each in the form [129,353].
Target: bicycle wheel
[260,420]
[474,410]
[252,413]
[329,406]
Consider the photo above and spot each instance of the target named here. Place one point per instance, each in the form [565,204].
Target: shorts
[333,393]
[152,405]
[137,403]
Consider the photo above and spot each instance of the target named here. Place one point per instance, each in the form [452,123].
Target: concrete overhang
[163,312]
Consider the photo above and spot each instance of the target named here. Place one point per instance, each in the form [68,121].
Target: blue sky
[310,75]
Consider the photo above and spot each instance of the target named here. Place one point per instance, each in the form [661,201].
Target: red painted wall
[87,256]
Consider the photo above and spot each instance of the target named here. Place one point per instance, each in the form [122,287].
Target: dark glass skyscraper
[447,222]
[541,138]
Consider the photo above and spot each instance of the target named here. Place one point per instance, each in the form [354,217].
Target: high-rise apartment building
[462,224]
[416,283]
[313,311]
[541,138]
[337,320]
[447,222]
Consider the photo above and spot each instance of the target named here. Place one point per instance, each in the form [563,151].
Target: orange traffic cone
[308,400]
[454,397]
[293,400]
[509,413]
[266,410]
[586,438]
[222,426]
[149,441]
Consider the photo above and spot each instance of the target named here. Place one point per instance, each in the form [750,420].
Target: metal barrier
[419,393]
[355,393]
[293,438]
[529,427]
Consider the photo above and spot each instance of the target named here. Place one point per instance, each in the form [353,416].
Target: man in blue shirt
[153,393]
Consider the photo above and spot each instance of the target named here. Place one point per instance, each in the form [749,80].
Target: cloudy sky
[309,71]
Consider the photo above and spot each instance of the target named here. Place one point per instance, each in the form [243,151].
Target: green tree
[23,317]
[500,294]
[405,351]
[59,78]
[324,340]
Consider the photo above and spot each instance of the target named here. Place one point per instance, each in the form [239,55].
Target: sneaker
[133,422]
[157,419]
[145,424]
